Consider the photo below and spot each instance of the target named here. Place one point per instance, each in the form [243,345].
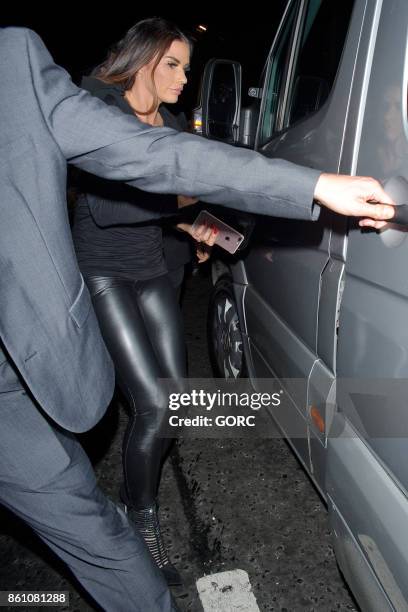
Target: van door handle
[401,215]
[397,188]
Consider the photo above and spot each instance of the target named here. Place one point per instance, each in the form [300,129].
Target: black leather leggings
[142,327]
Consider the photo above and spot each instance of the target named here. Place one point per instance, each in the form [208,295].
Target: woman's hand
[203,233]
[203,253]
[183,201]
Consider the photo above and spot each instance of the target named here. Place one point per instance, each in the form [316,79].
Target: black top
[116,227]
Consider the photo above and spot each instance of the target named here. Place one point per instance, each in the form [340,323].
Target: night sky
[78,39]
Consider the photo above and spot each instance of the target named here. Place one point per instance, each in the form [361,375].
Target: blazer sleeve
[103,141]
[113,203]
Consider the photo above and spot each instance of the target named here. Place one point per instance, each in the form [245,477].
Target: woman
[117,236]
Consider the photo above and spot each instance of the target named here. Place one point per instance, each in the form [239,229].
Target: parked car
[327,302]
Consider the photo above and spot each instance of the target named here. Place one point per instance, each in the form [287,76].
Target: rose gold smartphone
[227,238]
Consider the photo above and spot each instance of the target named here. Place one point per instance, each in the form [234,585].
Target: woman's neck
[140,104]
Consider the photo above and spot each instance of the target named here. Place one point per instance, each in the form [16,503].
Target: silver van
[327,302]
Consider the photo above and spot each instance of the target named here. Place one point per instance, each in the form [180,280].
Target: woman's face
[170,74]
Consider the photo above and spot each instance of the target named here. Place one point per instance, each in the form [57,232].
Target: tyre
[224,333]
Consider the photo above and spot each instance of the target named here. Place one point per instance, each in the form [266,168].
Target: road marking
[227,592]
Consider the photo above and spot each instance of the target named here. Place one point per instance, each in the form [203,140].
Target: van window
[321,45]
[277,71]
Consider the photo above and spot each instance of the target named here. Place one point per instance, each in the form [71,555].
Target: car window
[276,73]
[324,32]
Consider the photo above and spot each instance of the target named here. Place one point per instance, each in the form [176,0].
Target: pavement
[243,506]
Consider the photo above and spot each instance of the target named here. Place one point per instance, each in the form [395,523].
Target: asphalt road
[225,504]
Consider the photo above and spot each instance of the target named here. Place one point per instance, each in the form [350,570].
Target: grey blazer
[46,320]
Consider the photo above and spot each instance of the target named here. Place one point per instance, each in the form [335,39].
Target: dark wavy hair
[147,40]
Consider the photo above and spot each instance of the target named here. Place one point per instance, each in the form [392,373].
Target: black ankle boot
[147,523]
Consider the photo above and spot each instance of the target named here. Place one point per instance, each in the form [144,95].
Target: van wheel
[224,333]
